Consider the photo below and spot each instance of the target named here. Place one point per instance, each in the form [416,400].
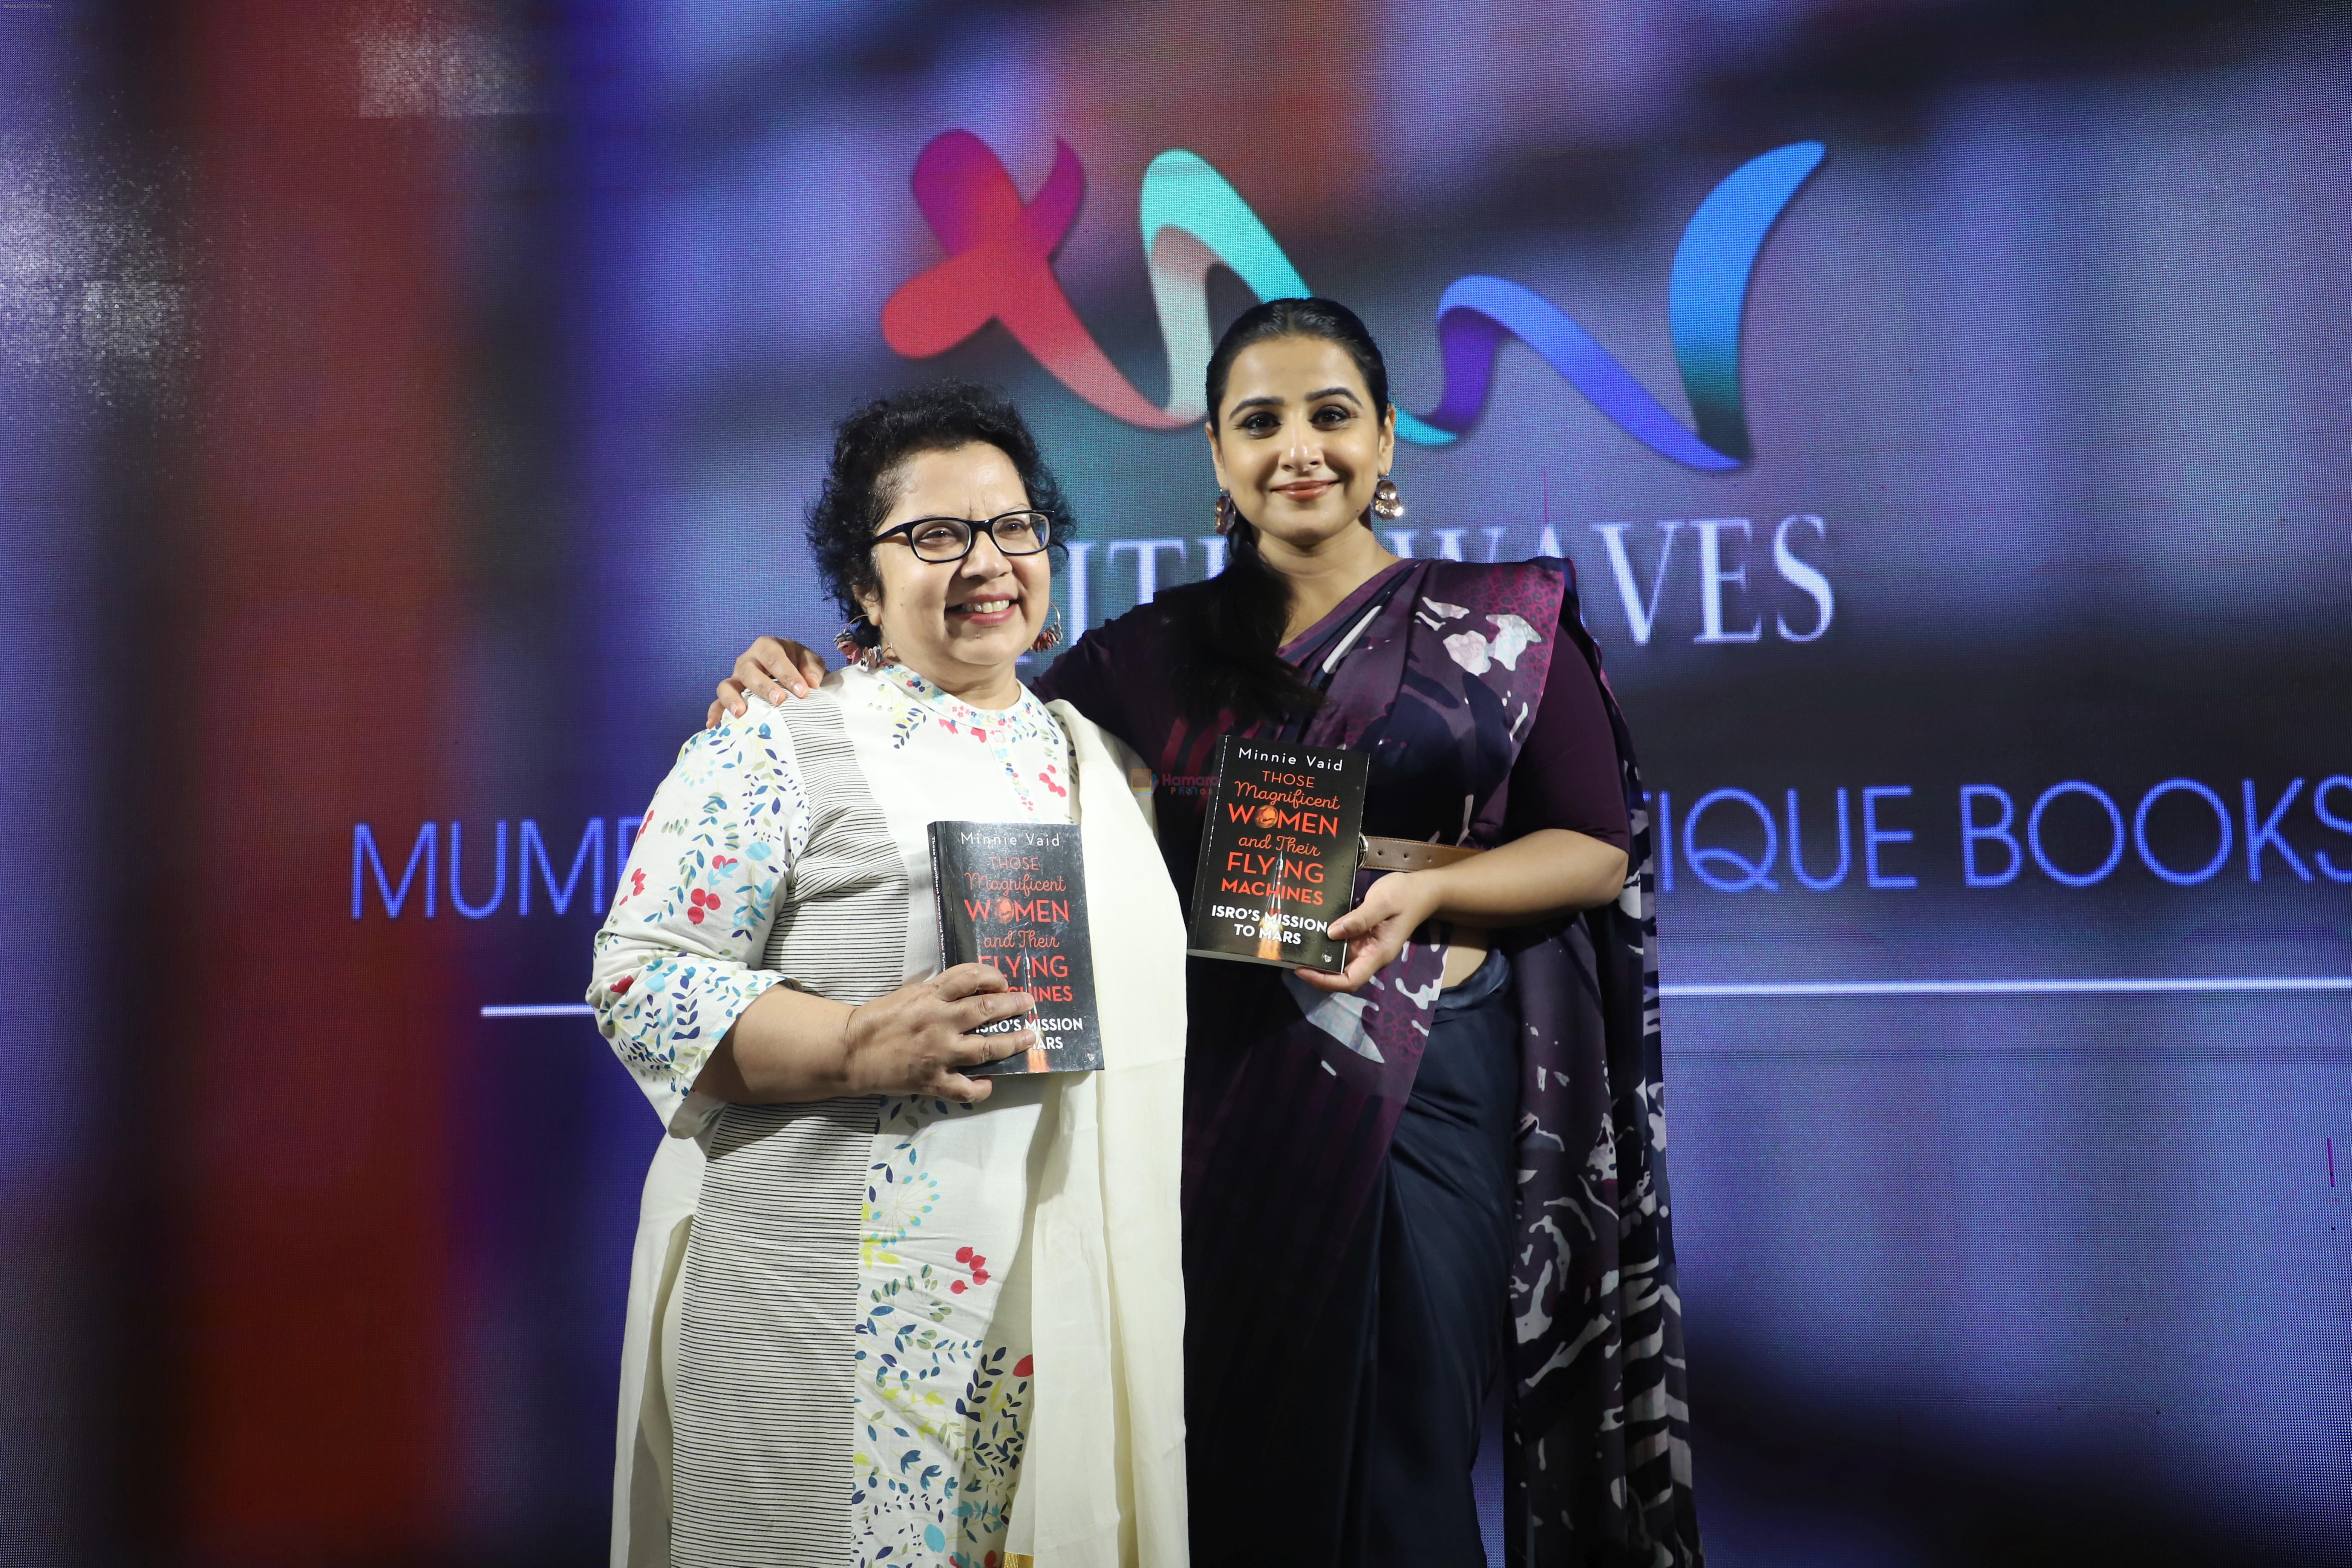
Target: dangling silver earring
[1226,515]
[1387,504]
[1050,637]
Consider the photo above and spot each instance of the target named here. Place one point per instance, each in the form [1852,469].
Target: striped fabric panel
[841,922]
[762,1408]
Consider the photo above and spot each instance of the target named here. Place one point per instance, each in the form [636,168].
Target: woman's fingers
[1362,924]
[1364,919]
[755,670]
[971,1048]
[1367,954]
[782,675]
[978,1012]
[974,995]
[776,667]
[969,980]
[1389,897]
[1366,962]
[964,1090]
[923,1039]
[750,665]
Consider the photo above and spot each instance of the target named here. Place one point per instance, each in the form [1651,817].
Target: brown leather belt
[1412,855]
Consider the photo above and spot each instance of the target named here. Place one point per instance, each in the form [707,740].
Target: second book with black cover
[1278,854]
[1013,895]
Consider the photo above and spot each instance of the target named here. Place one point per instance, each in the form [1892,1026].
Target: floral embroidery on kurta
[941,1386]
[1024,738]
[674,962]
[940,1411]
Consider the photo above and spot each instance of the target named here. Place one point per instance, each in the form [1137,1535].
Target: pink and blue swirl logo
[1000,268]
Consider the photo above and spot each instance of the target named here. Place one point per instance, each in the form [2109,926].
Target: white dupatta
[1102,1481]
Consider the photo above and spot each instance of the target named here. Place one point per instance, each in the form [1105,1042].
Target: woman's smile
[962,623]
[993,611]
[1299,445]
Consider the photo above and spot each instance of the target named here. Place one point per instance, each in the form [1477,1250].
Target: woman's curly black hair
[861,482]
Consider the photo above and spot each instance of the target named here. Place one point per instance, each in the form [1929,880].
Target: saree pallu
[1293,1097]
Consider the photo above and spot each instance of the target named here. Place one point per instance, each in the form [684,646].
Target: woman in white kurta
[883,1310]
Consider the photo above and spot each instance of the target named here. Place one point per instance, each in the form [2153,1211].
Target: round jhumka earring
[853,650]
[1050,638]
[1387,504]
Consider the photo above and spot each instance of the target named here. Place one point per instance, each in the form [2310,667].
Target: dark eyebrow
[1270,402]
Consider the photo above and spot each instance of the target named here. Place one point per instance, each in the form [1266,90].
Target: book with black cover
[1278,854]
[1013,895]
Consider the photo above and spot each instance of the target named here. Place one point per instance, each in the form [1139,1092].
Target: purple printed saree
[1437,668]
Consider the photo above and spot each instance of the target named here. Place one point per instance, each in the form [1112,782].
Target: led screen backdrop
[409,409]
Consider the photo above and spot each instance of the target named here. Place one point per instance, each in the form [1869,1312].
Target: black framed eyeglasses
[943,539]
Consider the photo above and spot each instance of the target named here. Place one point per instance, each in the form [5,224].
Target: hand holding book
[1280,850]
[935,1038]
[1278,854]
[1376,930]
[955,1025]
[1011,897]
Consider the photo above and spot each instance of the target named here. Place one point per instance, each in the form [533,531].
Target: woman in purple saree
[1447,1163]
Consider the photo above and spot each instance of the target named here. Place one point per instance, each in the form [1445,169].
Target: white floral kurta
[788,846]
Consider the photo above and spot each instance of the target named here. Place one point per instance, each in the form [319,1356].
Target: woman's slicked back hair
[1232,625]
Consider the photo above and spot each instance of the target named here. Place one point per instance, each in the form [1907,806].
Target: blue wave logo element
[1707,300]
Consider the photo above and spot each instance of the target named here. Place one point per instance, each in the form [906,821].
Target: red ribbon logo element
[1000,268]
